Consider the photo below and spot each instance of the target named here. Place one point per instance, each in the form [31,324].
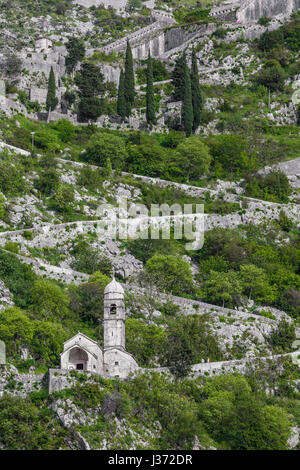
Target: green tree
[88,259]
[144,341]
[282,337]
[271,76]
[178,75]
[134,5]
[235,416]
[121,103]
[148,158]
[23,426]
[197,96]
[255,283]
[187,115]
[150,103]
[103,146]
[90,83]
[189,339]
[48,180]
[223,288]
[76,53]
[49,301]
[194,158]
[51,101]
[87,299]
[171,273]
[65,129]
[64,198]
[129,87]
[16,329]
[47,341]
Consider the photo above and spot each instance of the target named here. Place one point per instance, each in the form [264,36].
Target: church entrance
[78,359]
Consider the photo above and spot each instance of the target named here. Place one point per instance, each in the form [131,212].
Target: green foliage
[284,222]
[51,101]
[150,104]
[47,342]
[121,103]
[229,154]
[232,414]
[87,299]
[282,338]
[18,277]
[90,83]
[48,180]
[160,71]
[171,273]
[189,340]
[15,329]
[76,53]
[49,301]
[23,426]
[264,21]
[271,76]
[88,259]
[194,158]
[147,157]
[270,39]
[66,130]
[11,179]
[129,87]
[223,288]
[255,283]
[103,146]
[144,342]
[64,198]
[178,76]
[274,187]
[144,249]
[261,269]
[90,178]
[187,114]
[197,97]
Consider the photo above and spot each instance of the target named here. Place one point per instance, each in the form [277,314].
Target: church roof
[114,287]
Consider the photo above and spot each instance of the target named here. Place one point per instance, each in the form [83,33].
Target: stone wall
[119,5]
[14,383]
[252,10]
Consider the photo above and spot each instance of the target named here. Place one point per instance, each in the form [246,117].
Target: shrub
[103,146]
[11,181]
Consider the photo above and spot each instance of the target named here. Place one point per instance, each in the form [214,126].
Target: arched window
[113,309]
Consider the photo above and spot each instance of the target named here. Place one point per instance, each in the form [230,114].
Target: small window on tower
[116,363]
[113,309]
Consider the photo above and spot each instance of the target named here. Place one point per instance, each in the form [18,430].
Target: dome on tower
[114,287]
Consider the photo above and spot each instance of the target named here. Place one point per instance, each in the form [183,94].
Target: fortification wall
[252,10]
[118,5]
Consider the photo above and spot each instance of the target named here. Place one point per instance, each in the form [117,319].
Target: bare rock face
[70,415]
[252,10]
[5,297]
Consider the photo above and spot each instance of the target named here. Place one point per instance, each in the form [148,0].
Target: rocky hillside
[213,327]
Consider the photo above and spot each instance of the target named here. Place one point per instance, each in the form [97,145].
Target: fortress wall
[252,10]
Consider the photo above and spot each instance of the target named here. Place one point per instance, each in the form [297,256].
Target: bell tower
[114,316]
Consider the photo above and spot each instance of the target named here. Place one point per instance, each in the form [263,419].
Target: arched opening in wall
[113,309]
[78,359]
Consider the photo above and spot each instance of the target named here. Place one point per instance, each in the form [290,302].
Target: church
[84,354]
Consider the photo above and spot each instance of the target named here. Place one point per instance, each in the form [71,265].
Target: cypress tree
[121,103]
[150,103]
[187,104]
[178,77]
[129,91]
[197,97]
[51,101]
